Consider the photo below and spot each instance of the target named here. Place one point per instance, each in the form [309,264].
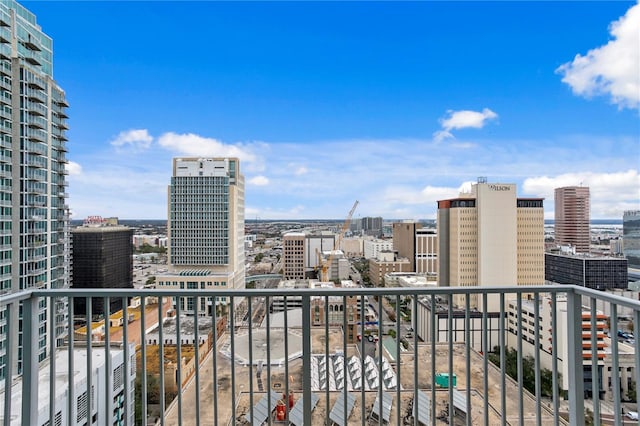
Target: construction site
[274,380]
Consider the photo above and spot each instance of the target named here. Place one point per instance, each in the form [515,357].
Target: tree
[528,371]
[258,257]
[632,394]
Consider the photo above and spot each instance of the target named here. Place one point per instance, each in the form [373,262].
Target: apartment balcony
[36,108]
[239,365]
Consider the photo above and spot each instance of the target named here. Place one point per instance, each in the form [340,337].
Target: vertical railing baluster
[181,300]
[52,358]
[615,364]
[161,391]
[636,329]
[250,313]
[595,387]
[434,330]
[306,359]
[519,360]
[196,339]
[363,417]
[286,360]
[576,379]
[129,372]
[143,357]
[467,328]
[536,357]
[10,311]
[398,398]
[503,367]
[326,349]
[268,347]
[232,331]
[450,344]
[30,361]
[214,356]
[554,358]
[485,359]
[345,363]
[380,380]
[71,402]
[88,315]
[108,392]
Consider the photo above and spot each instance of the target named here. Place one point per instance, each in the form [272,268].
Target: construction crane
[325,265]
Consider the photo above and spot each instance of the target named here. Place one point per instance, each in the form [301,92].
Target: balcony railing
[227,369]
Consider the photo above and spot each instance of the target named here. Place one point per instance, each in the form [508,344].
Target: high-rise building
[34,234]
[205,229]
[404,241]
[490,237]
[631,237]
[293,255]
[426,251]
[572,217]
[102,258]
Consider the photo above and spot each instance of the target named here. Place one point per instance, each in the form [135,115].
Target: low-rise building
[597,272]
[386,262]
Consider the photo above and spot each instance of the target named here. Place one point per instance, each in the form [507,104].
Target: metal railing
[214,368]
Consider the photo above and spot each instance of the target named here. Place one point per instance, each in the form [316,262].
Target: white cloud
[612,69]
[259,181]
[135,138]
[74,168]
[198,146]
[461,120]
[302,170]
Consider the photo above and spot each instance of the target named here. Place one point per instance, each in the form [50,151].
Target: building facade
[33,190]
[597,272]
[205,230]
[293,255]
[386,263]
[490,237]
[426,251]
[373,247]
[315,244]
[572,217]
[631,237]
[102,258]
[404,240]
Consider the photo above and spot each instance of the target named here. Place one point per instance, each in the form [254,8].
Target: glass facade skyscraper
[34,233]
[631,237]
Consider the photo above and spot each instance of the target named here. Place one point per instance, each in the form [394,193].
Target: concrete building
[386,262]
[490,237]
[631,237]
[121,407]
[375,246]
[527,318]
[34,249]
[573,217]
[352,247]
[335,310]
[597,272]
[404,240]
[315,244]
[371,226]
[338,267]
[293,256]
[206,229]
[423,326]
[102,258]
[426,251]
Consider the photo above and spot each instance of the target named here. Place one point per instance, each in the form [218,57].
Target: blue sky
[396,105]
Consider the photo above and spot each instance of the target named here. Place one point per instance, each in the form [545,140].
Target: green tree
[528,371]
[258,258]
[632,394]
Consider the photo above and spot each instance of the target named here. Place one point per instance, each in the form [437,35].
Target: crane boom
[345,226]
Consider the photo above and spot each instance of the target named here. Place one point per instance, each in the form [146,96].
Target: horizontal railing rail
[234,355]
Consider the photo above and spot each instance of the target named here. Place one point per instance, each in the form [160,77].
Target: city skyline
[391,104]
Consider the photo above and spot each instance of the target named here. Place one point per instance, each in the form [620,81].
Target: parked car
[633,415]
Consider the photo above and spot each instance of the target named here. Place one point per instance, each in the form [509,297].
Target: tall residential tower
[631,237]
[34,234]
[572,217]
[206,229]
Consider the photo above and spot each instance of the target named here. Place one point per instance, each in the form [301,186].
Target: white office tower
[206,229]
[34,243]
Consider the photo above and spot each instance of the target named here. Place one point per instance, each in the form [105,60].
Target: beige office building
[572,217]
[490,237]
[293,253]
[426,251]
[206,229]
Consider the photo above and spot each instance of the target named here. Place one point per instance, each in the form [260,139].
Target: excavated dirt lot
[226,414]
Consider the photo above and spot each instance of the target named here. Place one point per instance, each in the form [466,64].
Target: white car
[633,415]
